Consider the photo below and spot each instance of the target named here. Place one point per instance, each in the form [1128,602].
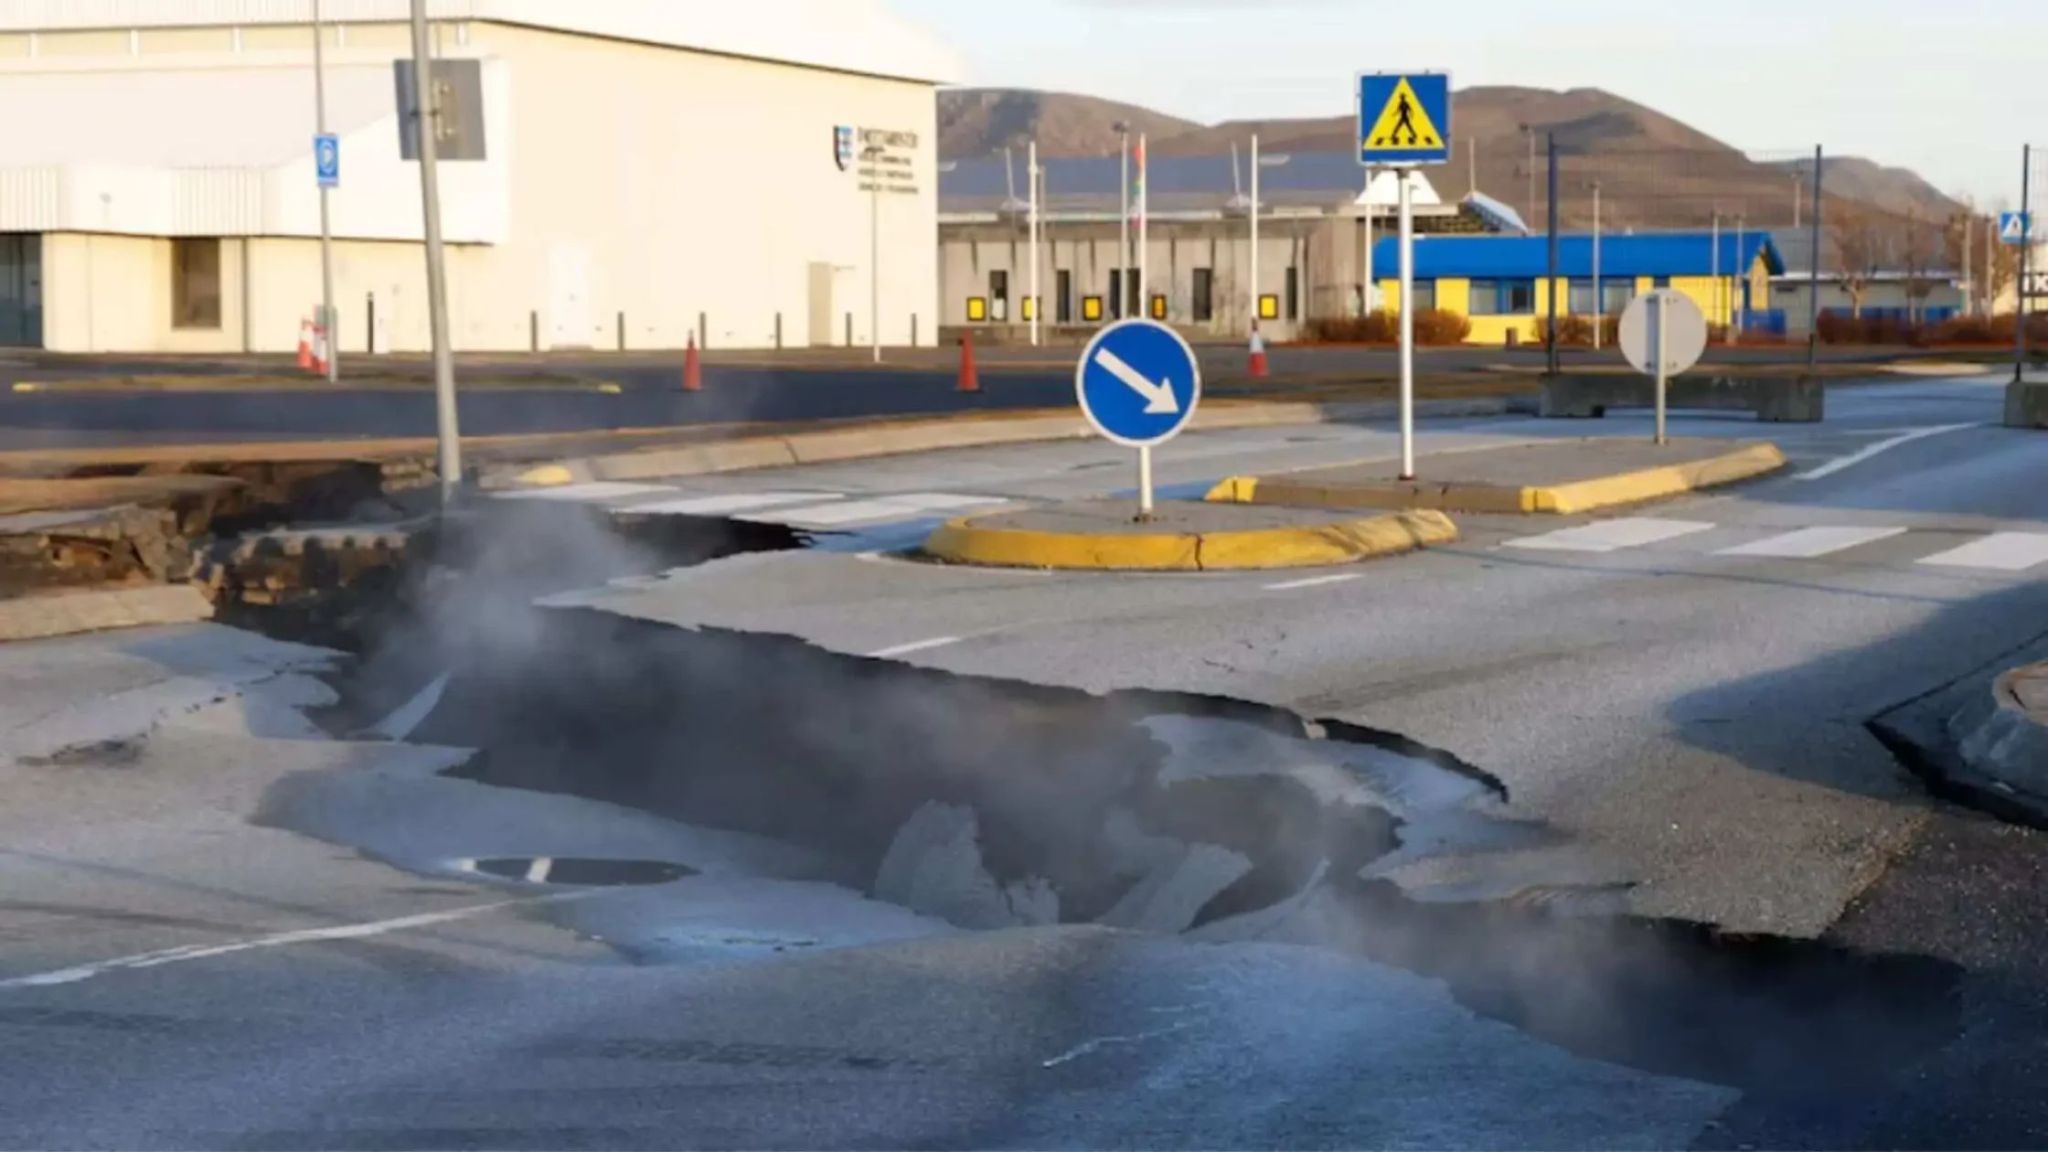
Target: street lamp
[1599,293]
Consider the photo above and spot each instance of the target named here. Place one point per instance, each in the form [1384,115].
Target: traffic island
[1560,478]
[1181,536]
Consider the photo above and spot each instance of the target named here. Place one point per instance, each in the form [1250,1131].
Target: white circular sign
[1683,329]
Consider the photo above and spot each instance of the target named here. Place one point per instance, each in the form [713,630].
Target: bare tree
[1859,248]
[1916,258]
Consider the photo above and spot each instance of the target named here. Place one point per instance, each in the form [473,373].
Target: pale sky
[1950,89]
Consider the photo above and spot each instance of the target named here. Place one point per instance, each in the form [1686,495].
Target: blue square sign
[1404,118]
[327,159]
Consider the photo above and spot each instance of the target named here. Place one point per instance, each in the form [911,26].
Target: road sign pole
[875,254]
[1144,481]
[427,111]
[326,233]
[1123,223]
[2019,295]
[1599,296]
[1407,326]
[1254,214]
[1663,363]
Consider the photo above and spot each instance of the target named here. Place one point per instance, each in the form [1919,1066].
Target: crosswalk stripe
[731,502]
[1610,535]
[1809,543]
[1998,552]
[594,491]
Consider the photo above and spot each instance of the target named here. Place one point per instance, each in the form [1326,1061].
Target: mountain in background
[1653,171]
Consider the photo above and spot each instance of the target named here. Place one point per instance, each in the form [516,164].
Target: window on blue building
[1425,295]
[1615,293]
[1503,297]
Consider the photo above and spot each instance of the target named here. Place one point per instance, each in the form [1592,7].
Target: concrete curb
[69,613]
[861,442]
[1298,546]
[1748,461]
[129,385]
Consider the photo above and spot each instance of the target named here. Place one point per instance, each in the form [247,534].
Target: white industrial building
[651,166]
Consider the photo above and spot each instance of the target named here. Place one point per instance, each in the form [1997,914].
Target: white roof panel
[846,35]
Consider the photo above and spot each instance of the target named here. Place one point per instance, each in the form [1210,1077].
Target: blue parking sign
[327,159]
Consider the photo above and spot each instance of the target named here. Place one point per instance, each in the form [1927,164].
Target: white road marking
[906,507]
[594,491]
[918,646]
[1610,535]
[1313,582]
[279,940]
[1855,458]
[731,502]
[1808,543]
[1998,552]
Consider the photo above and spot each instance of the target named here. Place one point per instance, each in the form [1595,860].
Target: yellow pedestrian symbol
[1404,122]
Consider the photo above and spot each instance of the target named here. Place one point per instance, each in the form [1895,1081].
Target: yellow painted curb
[1297,546]
[545,476]
[27,386]
[1558,499]
[1655,483]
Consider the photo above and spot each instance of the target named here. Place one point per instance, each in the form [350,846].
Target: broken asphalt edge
[1635,487]
[1322,543]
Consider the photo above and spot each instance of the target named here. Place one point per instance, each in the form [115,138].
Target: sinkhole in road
[1001,805]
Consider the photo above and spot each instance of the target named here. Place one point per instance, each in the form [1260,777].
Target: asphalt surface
[799,385]
[1673,700]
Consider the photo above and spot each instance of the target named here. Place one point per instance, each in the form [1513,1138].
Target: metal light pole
[1144,222]
[873,155]
[2019,285]
[1599,296]
[1798,186]
[1738,296]
[437,273]
[326,234]
[1031,281]
[1714,309]
[1123,219]
[1529,130]
[1407,327]
[1255,233]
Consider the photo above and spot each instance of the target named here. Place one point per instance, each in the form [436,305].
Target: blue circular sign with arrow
[1138,382]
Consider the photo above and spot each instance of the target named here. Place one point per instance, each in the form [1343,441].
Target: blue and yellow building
[1504,286]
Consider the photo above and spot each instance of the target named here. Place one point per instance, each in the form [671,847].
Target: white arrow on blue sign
[1138,382]
[2012,227]
[327,159]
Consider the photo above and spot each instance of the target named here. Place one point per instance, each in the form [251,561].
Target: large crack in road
[992,804]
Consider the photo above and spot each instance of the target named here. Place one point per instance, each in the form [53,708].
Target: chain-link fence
[1793,255]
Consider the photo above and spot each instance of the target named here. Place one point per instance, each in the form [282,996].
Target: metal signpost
[1138,383]
[1404,120]
[327,166]
[1663,333]
[426,135]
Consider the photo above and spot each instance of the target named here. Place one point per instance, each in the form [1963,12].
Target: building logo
[842,146]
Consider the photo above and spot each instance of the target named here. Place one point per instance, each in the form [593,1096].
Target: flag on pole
[1136,207]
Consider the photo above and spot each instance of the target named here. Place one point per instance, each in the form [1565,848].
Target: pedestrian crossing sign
[2012,228]
[1404,118]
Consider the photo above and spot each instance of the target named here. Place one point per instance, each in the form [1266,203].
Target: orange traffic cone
[1258,360]
[305,345]
[693,369]
[970,380]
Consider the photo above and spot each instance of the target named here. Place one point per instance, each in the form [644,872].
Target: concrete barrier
[2026,404]
[1775,399]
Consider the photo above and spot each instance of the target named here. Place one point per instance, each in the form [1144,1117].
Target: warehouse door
[821,305]
[21,291]
[569,323]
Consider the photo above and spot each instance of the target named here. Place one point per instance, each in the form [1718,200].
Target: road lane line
[1610,535]
[917,646]
[1855,458]
[594,491]
[1998,552]
[1809,543]
[732,502]
[165,956]
[1313,582]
